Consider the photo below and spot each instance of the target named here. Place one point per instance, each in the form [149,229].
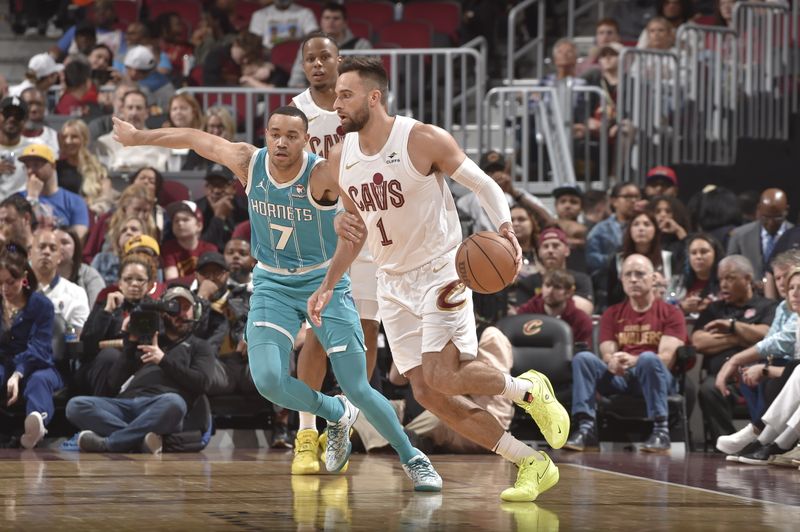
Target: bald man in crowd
[756,240]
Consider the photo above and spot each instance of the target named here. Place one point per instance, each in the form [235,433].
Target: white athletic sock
[787,439]
[307,421]
[767,435]
[514,450]
[515,388]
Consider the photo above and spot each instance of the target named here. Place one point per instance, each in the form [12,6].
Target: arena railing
[574,11]
[796,56]
[648,113]
[526,124]
[536,43]
[765,74]
[708,94]
[442,86]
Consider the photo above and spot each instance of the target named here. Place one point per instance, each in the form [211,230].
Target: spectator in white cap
[13,113]
[140,67]
[43,72]
[139,62]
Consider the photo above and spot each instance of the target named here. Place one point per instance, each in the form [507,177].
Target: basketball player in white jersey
[320,63]
[392,168]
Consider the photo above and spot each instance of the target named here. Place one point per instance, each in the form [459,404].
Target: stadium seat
[361,28]
[243,12]
[376,13]
[407,34]
[444,17]
[173,191]
[127,11]
[283,55]
[189,10]
[316,7]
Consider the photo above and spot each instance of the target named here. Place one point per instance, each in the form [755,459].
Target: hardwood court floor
[252,490]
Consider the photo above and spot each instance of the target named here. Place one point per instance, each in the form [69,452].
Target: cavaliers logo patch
[532,328]
[450,297]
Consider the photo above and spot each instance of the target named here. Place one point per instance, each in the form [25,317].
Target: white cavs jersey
[324,127]
[411,218]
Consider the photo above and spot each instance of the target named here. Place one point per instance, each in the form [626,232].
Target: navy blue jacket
[29,342]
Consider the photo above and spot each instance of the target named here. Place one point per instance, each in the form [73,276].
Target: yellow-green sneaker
[323,443]
[306,456]
[541,403]
[305,494]
[535,476]
[528,516]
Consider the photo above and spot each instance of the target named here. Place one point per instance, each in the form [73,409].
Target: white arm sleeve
[489,193]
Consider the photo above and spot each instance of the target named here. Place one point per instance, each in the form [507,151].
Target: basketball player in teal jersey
[292,197]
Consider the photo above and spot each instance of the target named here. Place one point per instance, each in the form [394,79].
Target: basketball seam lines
[471,274]
[488,258]
[513,256]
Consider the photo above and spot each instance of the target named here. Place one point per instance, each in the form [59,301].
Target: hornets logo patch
[451,297]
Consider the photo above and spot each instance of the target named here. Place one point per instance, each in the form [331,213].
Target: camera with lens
[146,317]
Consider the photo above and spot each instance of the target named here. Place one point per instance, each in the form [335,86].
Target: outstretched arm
[234,155]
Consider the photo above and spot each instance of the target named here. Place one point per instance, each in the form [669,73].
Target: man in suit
[757,239]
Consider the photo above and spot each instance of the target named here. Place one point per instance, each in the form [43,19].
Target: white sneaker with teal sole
[338,448]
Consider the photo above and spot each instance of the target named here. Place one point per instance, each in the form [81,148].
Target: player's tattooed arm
[234,155]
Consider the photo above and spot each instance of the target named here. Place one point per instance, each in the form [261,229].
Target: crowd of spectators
[88,238]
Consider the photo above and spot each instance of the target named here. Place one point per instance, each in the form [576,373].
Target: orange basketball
[485,262]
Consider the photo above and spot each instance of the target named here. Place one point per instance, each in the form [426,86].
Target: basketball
[485,262]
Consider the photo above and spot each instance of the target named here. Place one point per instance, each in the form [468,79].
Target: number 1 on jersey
[384,239]
[286,232]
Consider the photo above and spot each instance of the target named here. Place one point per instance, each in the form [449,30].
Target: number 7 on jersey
[286,233]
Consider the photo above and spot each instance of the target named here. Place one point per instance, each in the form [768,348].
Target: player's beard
[357,120]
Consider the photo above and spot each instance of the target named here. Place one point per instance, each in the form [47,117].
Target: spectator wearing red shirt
[80,97]
[558,287]
[179,256]
[638,342]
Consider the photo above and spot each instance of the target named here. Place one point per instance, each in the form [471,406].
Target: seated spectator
[673,223]
[63,207]
[17,221]
[141,67]
[738,320]
[80,172]
[789,241]
[676,12]
[210,287]
[661,181]
[553,252]
[69,300]
[35,129]
[569,203]
[101,61]
[779,428]
[642,237]
[111,104]
[156,379]
[222,208]
[119,158]
[121,230]
[596,208]
[639,339]
[139,34]
[223,66]
[218,121]
[494,164]
[757,240]
[141,245]
[282,21]
[80,95]
[13,175]
[557,299]
[71,267]
[333,23]
[102,333]
[184,111]
[135,200]
[606,32]
[660,34]
[216,27]
[43,72]
[605,238]
[27,370]
[180,254]
[240,265]
[699,286]
[715,210]
[723,12]
[104,18]
[172,32]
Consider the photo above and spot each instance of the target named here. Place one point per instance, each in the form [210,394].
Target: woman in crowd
[673,222]
[219,122]
[80,172]
[154,181]
[73,268]
[641,236]
[184,111]
[104,325]
[660,34]
[121,229]
[26,344]
[136,200]
[699,285]
[715,210]
[676,12]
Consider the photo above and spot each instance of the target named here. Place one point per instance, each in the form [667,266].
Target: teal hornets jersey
[288,229]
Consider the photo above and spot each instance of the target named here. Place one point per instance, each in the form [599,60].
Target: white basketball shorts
[424,309]
[364,285]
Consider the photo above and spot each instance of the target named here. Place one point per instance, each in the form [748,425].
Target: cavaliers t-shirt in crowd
[638,332]
[172,254]
[758,310]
